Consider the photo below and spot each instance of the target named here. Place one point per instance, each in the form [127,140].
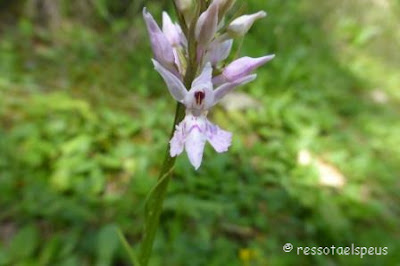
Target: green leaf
[24,243]
[49,251]
[4,257]
[101,8]
[153,210]
[128,249]
[107,244]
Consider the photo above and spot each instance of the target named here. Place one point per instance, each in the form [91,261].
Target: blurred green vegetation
[85,121]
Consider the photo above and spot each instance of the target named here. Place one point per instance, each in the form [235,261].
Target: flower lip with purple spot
[199,96]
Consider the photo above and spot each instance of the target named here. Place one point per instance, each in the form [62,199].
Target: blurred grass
[85,120]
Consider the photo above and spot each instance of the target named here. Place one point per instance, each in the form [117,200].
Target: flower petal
[241,67]
[182,37]
[218,51]
[195,139]
[178,140]
[218,138]
[222,90]
[204,79]
[179,61]
[175,86]
[161,47]
[223,6]
[170,30]
[207,25]
[203,85]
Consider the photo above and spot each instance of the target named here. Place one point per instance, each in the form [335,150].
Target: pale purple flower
[240,68]
[241,25]
[193,133]
[195,130]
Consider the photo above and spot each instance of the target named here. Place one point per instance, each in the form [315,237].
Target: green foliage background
[85,122]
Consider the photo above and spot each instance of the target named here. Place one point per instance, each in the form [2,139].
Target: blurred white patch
[239,101]
[304,157]
[379,96]
[329,175]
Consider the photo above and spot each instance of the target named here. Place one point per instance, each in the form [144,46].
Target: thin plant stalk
[155,199]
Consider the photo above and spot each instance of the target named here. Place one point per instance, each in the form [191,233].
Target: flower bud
[241,25]
[240,68]
[170,30]
[186,8]
[218,51]
[184,5]
[160,45]
[206,26]
[223,6]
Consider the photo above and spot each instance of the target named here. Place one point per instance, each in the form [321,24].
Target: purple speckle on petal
[199,96]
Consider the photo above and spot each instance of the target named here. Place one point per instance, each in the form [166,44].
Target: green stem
[155,199]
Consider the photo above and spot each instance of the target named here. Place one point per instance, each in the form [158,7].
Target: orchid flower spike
[195,129]
[213,43]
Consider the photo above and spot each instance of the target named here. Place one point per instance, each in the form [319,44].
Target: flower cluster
[213,43]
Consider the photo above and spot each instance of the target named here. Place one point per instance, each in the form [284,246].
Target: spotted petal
[195,139]
[204,79]
[202,84]
[218,138]
[178,140]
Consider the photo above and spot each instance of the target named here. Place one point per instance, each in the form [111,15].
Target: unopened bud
[170,30]
[240,68]
[218,51]
[162,49]
[186,8]
[206,26]
[223,6]
[241,25]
